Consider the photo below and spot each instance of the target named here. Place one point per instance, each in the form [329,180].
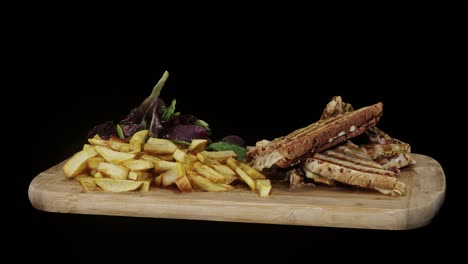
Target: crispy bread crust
[353,165]
[285,163]
[354,177]
[318,136]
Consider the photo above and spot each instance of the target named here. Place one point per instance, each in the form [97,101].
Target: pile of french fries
[142,163]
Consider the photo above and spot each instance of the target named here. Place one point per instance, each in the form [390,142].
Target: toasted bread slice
[291,149]
[390,152]
[353,168]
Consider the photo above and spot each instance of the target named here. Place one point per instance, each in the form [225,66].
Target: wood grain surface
[332,207]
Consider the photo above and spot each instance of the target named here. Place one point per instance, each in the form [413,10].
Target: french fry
[158,180]
[118,145]
[117,166]
[201,158]
[229,175]
[253,173]
[246,178]
[184,184]
[228,179]
[263,187]
[190,159]
[164,143]
[204,184]
[179,155]
[97,136]
[169,177]
[149,157]
[98,174]
[78,177]
[85,146]
[206,160]
[138,140]
[159,146]
[188,167]
[114,185]
[139,175]
[223,169]
[113,156]
[138,165]
[93,162]
[88,184]
[78,163]
[97,141]
[225,185]
[182,181]
[145,185]
[162,165]
[208,172]
[221,156]
[232,163]
[197,145]
[168,157]
[113,171]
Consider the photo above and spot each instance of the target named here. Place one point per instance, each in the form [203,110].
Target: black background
[258,84]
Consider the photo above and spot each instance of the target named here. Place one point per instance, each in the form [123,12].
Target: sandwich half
[351,165]
[389,152]
[290,150]
[324,153]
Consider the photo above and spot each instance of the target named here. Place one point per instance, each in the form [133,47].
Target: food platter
[51,191]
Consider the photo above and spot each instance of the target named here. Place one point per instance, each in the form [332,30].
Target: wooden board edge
[425,204]
[399,219]
[37,196]
[304,215]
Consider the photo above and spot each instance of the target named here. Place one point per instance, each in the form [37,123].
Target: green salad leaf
[204,125]
[221,146]
[120,132]
[169,111]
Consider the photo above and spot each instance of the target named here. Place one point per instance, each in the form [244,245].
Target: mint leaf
[221,146]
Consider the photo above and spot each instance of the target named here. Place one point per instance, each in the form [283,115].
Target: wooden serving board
[331,207]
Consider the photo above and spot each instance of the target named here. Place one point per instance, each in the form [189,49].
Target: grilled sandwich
[351,165]
[290,150]
[325,159]
[389,152]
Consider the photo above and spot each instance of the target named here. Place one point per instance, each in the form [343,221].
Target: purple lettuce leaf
[185,133]
[161,121]
[143,117]
[104,130]
[152,119]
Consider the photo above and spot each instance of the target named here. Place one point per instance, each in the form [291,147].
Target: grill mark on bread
[351,151]
[352,165]
[360,115]
[355,177]
[299,144]
[353,168]
[351,158]
[284,163]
